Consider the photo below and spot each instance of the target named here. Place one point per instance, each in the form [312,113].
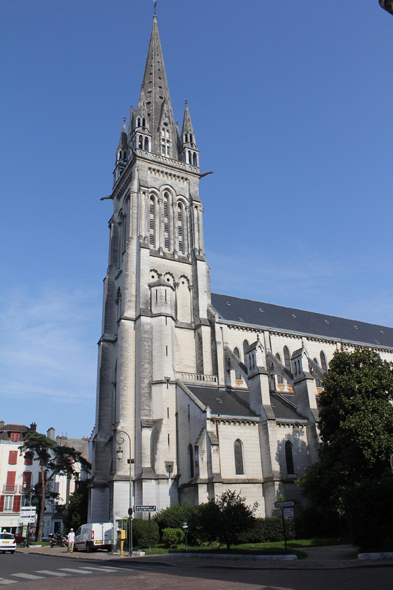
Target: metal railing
[197,378]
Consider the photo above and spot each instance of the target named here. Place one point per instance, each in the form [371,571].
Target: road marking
[27,576]
[50,573]
[73,571]
[4,581]
[101,569]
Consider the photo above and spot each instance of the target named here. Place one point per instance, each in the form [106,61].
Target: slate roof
[283,408]
[277,317]
[223,402]
[14,428]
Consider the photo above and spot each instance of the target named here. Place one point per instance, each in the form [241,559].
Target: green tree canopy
[54,460]
[356,428]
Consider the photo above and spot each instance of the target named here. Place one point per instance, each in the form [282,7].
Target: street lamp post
[120,440]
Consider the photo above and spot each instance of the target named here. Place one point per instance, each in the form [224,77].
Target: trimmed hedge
[269,529]
[172,537]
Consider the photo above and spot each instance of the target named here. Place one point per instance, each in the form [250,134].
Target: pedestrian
[71,541]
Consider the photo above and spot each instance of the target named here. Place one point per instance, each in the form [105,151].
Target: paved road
[40,572]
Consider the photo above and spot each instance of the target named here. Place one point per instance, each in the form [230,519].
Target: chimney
[33,426]
[1,424]
[51,433]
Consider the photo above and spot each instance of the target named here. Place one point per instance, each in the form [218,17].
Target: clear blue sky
[292,107]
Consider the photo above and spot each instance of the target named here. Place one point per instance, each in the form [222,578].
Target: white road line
[101,569]
[73,571]
[27,576]
[4,581]
[50,573]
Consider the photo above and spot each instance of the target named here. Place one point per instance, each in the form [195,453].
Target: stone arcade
[215,392]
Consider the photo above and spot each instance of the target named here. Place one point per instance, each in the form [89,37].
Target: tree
[54,460]
[356,427]
[226,518]
[75,513]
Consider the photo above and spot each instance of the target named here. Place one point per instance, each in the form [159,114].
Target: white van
[97,535]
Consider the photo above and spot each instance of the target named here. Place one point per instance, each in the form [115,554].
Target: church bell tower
[155,324]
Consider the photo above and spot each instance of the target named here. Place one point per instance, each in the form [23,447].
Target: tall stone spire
[187,127]
[155,101]
[189,152]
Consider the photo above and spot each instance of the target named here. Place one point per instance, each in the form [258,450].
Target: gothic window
[185,138]
[191,461]
[289,458]
[166,221]
[196,457]
[287,358]
[189,157]
[191,138]
[323,361]
[245,348]
[195,159]
[180,232]
[139,122]
[143,122]
[152,222]
[146,144]
[279,378]
[140,142]
[238,450]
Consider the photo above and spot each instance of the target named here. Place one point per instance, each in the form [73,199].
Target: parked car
[90,537]
[7,543]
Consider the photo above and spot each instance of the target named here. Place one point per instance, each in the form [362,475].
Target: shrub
[311,523]
[174,516]
[172,537]
[268,529]
[140,533]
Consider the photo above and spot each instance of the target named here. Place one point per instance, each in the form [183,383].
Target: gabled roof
[223,402]
[277,317]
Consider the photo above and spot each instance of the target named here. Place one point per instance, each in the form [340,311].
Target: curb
[236,556]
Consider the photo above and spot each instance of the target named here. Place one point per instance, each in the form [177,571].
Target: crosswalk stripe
[50,573]
[101,569]
[74,571]
[4,581]
[27,576]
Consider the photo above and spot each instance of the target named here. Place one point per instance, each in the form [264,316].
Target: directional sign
[28,511]
[145,509]
[288,504]
[288,514]
[27,519]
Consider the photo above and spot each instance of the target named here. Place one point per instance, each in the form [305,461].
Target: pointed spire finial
[155,7]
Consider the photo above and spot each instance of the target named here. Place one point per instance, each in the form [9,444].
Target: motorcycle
[58,541]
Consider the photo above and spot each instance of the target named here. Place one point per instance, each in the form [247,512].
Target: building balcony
[8,489]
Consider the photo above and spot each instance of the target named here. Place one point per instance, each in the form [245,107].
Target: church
[197,392]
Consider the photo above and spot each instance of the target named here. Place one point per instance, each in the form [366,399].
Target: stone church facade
[206,392]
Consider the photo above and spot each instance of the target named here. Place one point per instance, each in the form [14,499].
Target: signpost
[28,516]
[148,509]
[131,548]
[286,508]
[185,529]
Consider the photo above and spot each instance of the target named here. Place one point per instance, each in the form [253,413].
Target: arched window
[191,140]
[140,142]
[245,348]
[287,358]
[195,159]
[289,458]
[279,378]
[152,222]
[138,124]
[185,138]
[166,221]
[238,450]
[189,157]
[180,236]
[323,361]
[143,122]
[146,144]
[191,461]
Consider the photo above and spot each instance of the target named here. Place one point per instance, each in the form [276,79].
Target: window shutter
[12,457]
[10,485]
[29,458]
[16,504]
[26,480]
[1,503]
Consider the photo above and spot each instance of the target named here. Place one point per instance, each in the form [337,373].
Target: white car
[7,543]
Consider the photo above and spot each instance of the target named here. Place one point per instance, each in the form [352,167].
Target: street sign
[27,519]
[28,511]
[288,514]
[288,504]
[145,508]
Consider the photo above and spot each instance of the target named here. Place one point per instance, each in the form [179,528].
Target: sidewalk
[334,557]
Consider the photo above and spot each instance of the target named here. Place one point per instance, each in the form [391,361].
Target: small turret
[121,153]
[189,152]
